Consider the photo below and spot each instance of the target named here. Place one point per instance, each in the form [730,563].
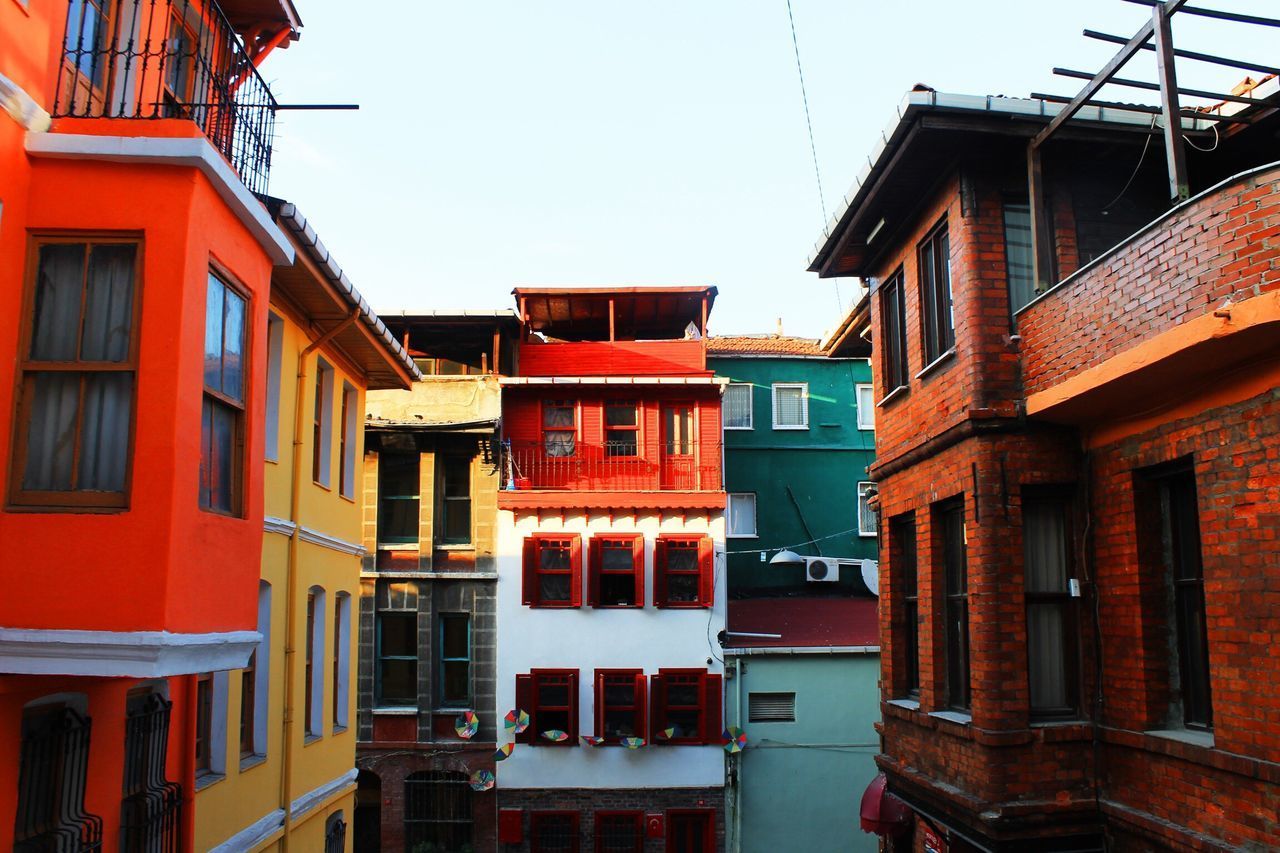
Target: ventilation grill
[771,707]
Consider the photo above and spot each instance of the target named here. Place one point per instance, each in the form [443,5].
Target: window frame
[416,539]
[527,690]
[629,815]
[1019,207]
[867,423]
[536,817]
[896,364]
[259,692]
[954,570]
[428,822]
[313,716]
[532,570]
[341,700]
[639,706]
[215,397]
[275,375]
[322,425]
[937,326]
[804,404]
[751,404]
[596,569]
[705,572]
[444,499]
[710,707]
[708,820]
[442,659]
[379,700]
[204,724]
[632,429]
[906,574]
[348,435]
[729,512]
[574,429]
[864,488]
[23,391]
[1060,501]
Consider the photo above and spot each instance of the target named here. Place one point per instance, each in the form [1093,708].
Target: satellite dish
[871,576]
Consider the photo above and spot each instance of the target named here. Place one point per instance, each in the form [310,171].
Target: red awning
[882,812]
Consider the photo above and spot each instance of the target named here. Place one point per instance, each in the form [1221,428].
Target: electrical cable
[1216,140]
[1136,169]
[797,545]
[822,201]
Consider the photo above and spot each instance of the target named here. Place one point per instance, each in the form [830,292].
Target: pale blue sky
[589,143]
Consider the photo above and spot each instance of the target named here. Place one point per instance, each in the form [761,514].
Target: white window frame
[804,404]
[348,460]
[867,412]
[275,362]
[325,475]
[319,663]
[755,518]
[751,405]
[864,487]
[342,636]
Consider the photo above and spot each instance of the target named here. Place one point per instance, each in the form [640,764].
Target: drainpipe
[291,575]
[737,789]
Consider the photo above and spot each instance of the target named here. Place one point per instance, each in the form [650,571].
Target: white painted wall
[588,639]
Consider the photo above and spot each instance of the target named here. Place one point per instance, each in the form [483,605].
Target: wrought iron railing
[690,466]
[51,782]
[150,59]
[151,810]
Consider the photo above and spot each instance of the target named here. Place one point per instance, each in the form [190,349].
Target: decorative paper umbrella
[516,721]
[466,725]
[482,780]
[734,739]
[633,742]
[667,733]
[556,735]
[592,740]
[503,752]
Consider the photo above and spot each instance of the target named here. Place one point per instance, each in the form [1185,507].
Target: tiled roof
[804,622]
[762,345]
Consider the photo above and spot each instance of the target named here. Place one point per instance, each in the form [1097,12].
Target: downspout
[737,788]
[291,575]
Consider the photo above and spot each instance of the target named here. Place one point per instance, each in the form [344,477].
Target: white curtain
[59,288]
[789,406]
[51,431]
[737,406]
[742,515]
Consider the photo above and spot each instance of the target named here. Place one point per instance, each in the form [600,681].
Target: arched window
[437,812]
[51,776]
[335,834]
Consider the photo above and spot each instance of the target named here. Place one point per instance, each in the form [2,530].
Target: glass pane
[104,437]
[679,431]
[399,681]
[213,334]
[233,347]
[620,443]
[1045,546]
[620,414]
[620,691]
[737,406]
[618,590]
[1017,249]
[398,521]
[457,681]
[1046,645]
[398,634]
[620,723]
[686,723]
[553,588]
[398,475]
[553,695]
[457,520]
[219,455]
[616,557]
[555,556]
[457,636]
[59,289]
[742,515]
[51,431]
[682,557]
[790,406]
[559,443]
[557,416]
[108,308]
[682,588]
[866,518]
[555,834]
[457,477]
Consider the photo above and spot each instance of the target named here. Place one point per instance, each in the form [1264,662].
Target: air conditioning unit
[826,569]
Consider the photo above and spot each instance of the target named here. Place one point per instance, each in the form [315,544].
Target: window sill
[307,740]
[936,363]
[207,778]
[455,546]
[1065,721]
[248,762]
[339,730]
[867,535]
[960,718]
[742,536]
[537,606]
[396,711]
[407,546]
[684,605]
[1187,736]
[908,704]
[616,606]
[866,428]
[739,429]
[794,427]
[900,391]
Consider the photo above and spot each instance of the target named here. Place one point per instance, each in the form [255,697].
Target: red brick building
[1079,477]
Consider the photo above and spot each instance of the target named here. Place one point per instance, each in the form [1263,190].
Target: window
[936,314]
[222,431]
[621,429]
[950,525]
[737,405]
[437,811]
[1019,261]
[87,51]
[398,484]
[1169,493]
[866,518]
[902,558]
[248,687]
[1052,642]
[683,571]
[691,831]
[455,500]
[559,428]
[179,65]
[742,515]
[688,701]
[619,832]
[771,707]
[335,834]
[621,701]
[791,406]
[893,323]
[866,403]
[341,659]
[255,684]
[275,364]
[553,570]
[616,571]
[51,779]
[455,660]
[150,808]
[77,376]
[551,698]
[322,423]
[553,832]
[204,722]
[347,432]
[396,645]
[314,713]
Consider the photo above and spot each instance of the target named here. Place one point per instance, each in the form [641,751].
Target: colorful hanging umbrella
[592,740]
[466,725]
[516,721]
[667,733]
[556,735]
[735,739]
[503,752]
[633,742]
[482,780]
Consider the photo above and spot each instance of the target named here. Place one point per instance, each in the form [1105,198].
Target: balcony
[612,467]
[168,59]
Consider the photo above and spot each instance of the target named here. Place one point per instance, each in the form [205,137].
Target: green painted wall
[822,465]
[799,784]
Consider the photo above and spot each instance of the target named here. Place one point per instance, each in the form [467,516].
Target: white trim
[137,654]
[728,516]
[936,363]
[315,537]
[870,409]
[804,404]
[351,426]
[262,673]
[314,727]
[342,637]
[805,650]
[22,107]
[195,152]
[253,835]
[893,395]
[613,380]
[316,796]
[861,497]
[271,524]
[275,362]
[324,387]
[751,405]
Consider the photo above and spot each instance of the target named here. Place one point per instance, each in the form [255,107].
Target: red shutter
[575,574]
[637,562]
[657,706]
[573,707]
[599,706]
[712,708]
[706,571]
[526,700]
[659,573]
[594,559]
[642,703]
[530,570]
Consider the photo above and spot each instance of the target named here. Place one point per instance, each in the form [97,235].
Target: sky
[535,142]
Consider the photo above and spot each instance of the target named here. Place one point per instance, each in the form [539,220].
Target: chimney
[779,332]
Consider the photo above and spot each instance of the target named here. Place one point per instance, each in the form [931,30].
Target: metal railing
[613,466]
[150,59]
[51,782]
[151,810]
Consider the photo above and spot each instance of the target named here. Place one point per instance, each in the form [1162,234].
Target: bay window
[222,431]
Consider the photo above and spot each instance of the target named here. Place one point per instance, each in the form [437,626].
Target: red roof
[804,622]
[762,345]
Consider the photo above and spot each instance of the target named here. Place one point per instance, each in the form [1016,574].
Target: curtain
[1044,530]
[108,306]
[104,434]
[789,403]
[59,289]
[1046,648]
[51,431]
[737,406]
[742,515]
[213,334]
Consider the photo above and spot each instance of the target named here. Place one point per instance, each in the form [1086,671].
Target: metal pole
[1179,186]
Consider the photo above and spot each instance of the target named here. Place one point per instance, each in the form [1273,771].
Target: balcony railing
[152,59]
[689,466]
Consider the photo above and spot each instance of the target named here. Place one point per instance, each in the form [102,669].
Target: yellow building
[279,741]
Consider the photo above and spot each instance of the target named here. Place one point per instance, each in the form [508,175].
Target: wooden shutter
[706,571]
[642,705]
[595,557]
[526,700]
[575,573]
[637,562]
[599,706]
[659,573]
[657,705]
[530,571]
[712,708]
[573,707]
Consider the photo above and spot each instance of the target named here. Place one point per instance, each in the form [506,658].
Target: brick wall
[392,767]
[587,801]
